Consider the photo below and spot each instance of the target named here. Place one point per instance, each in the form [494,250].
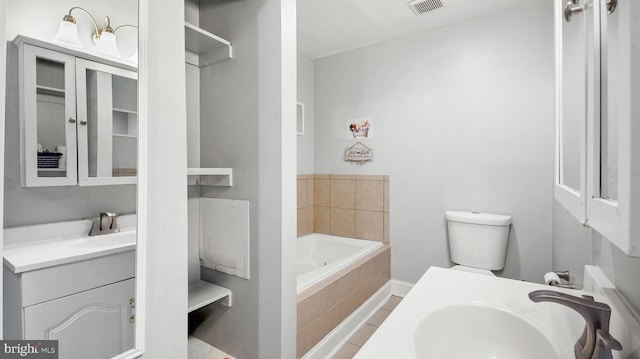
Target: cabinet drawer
[50,283]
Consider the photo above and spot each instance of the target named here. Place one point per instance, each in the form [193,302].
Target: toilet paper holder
[554,279]
[563,275]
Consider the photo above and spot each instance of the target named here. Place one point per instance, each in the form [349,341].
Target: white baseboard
[400,288]
[331,343]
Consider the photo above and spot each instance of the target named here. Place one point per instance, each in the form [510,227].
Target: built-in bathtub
[321,255]
[335,276]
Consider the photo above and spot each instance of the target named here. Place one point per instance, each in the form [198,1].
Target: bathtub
[321,255]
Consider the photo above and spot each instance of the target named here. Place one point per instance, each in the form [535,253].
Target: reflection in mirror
[71,128]
[107,104]
[609,108]
[573,100]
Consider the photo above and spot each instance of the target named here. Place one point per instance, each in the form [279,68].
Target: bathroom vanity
[61,284]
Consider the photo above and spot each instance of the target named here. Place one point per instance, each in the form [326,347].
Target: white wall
[574,246]
[305,95]
[463,120]
[620,268]
[39,19]
[248,123]
[3,57]
[162,199]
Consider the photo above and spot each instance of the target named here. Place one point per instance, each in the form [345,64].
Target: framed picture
[359,128]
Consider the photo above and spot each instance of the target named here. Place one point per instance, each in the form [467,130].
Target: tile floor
[357,340]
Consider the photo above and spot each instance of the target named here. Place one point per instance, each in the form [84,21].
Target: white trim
[616,219]
[161,259]
[141,188]
[332,342]
[400,288]
[3,82]
[574,200]
[301,132]
[129,354]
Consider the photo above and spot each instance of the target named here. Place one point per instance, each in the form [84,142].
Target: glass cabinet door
[48,117]
[574,39]
[108,124]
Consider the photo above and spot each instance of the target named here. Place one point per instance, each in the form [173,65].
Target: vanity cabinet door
[91,324]
[614,208]
[47,117]
[108,124]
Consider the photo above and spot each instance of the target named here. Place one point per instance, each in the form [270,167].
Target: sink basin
[475,331]
[454,314]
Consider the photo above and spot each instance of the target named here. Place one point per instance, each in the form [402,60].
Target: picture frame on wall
[359,128]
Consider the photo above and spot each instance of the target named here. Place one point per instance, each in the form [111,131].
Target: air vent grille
[423,6]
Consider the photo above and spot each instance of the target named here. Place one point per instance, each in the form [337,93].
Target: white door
[93,324]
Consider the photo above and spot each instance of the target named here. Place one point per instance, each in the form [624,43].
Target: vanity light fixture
[103,38]
[134,57]
[68,30]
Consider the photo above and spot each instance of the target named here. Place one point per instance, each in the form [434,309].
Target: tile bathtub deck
[357,340]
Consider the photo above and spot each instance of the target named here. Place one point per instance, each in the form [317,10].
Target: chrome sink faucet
[595,341]
[105,224]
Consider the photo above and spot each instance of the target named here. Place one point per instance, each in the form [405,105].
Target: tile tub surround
[305,205]
[323,306]
[355,206]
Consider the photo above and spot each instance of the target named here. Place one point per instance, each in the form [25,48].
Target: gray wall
[242,125]
[575,246]
[23,205]
[463,119]
[305,95]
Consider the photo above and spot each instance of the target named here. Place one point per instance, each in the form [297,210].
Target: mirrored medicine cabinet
[595,83]
[78,118]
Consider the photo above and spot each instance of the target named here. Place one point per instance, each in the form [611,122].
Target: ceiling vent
[424,6]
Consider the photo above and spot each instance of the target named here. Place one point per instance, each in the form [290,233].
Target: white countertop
[443,288]
[40,246]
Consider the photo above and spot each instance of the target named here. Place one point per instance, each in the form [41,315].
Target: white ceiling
[327,27]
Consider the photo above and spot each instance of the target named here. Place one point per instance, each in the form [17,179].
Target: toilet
[478,241]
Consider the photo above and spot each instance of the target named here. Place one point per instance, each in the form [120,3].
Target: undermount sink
[477,331]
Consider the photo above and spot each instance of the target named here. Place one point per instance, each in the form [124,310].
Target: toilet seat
[462,268]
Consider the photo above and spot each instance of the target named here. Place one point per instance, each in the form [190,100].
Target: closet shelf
[203,293]
[123,110]
[208,47]
[48,90]
[210,176]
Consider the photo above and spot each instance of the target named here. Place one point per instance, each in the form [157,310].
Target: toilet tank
[478,240]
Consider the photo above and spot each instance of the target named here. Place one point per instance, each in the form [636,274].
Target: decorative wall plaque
[358,153]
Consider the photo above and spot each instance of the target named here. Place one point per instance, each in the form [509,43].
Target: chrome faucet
[105,224]
[595,341]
